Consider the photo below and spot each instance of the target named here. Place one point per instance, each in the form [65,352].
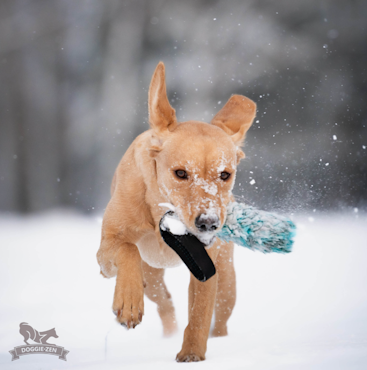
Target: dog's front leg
[122,259]
[201,306]
[128,301]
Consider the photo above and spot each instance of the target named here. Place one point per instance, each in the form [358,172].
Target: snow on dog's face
[195,162]
[196,169]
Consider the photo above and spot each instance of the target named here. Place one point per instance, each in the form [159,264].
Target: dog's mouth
[179,227]
[190,248]
[207,238]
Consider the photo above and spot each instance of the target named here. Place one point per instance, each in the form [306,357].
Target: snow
[306,310]
[174,225]
[208,186]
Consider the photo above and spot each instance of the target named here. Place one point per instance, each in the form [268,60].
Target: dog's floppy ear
[236,117]
[162,116]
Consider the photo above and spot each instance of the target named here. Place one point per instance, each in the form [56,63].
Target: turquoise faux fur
[257,230]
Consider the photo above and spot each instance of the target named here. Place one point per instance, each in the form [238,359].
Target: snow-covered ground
[306,310]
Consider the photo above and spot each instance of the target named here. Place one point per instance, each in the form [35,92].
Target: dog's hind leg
[157,292]
[226,291]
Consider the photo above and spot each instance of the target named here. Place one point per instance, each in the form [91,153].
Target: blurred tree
[75,75]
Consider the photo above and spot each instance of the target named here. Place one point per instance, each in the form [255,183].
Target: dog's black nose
[206,222]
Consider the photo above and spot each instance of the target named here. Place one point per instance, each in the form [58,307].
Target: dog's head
[195,162]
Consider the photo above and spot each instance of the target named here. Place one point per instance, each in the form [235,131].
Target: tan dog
[191,165]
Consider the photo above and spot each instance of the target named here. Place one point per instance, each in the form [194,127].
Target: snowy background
[74,79]
[306,310]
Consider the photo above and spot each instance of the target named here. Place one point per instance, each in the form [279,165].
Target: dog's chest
[153,255]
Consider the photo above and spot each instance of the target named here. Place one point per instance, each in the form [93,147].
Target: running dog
[192,166]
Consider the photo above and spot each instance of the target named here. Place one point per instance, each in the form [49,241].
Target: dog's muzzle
[190,249]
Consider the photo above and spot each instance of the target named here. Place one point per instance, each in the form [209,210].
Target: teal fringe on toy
[257,230]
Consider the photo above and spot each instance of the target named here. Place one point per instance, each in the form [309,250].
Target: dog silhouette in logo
[39,337]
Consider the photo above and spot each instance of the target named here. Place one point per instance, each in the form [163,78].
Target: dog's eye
[181,174]
[225,175]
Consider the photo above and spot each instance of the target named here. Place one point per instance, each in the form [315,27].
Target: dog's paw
[170,328]
[189,357]
[128,303]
